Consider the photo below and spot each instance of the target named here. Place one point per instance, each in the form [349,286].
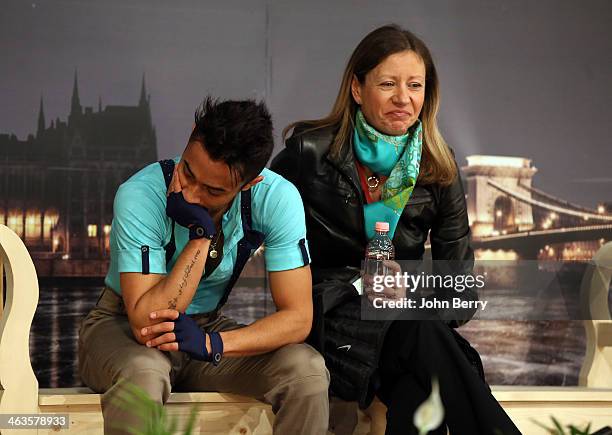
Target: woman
[378,156]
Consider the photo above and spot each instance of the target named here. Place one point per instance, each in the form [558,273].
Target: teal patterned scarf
[397,157]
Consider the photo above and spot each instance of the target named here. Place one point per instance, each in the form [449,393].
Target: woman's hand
[394,292]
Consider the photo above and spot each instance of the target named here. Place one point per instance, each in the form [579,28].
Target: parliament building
[57,186]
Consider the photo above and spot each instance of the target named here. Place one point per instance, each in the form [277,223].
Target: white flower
[430,414]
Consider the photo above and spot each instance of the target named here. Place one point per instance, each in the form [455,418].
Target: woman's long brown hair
[437,161]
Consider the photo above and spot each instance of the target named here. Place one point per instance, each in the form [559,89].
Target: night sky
[519,78]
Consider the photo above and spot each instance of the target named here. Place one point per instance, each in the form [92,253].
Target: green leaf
[132,398]
[558,429]
[551,431]
[558,425]
[172,426]
[156,420]
[577,431]
[191,422]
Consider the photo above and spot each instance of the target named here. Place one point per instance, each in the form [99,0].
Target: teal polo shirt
[139,219]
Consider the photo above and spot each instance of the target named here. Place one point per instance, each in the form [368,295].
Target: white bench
[232,414]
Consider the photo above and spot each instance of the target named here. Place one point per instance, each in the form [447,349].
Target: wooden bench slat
[604,334]
[84,396]
[551,394]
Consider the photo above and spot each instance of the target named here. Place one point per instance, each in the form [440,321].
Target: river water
[513,352]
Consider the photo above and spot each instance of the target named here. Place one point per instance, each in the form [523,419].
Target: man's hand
[175,183]
[192,216]
[162,331]
[190,338]
[189,215]
[179,332]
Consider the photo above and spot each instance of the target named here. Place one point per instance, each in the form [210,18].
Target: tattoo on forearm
[172,302]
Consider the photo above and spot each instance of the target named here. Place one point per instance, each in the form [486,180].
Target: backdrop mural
[92,92]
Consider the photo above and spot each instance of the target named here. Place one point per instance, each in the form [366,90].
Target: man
[182,231]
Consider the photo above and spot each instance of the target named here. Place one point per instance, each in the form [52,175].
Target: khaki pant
[292,379]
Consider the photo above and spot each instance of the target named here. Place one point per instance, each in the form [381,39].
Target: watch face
[217,357]
[200,231]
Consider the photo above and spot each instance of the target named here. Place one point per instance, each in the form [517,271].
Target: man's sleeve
[139,229]
[285,229]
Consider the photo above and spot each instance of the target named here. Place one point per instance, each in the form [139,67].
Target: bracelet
[216,347]
[198,232]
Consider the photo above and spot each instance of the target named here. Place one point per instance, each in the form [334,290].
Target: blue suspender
[168,169]
[250,241]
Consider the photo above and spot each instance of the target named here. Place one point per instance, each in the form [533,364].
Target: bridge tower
[492,212]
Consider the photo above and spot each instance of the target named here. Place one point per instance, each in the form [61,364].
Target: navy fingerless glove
[192,340]
[193,216]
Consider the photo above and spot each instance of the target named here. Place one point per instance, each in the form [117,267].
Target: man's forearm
[267,334]
[176,289]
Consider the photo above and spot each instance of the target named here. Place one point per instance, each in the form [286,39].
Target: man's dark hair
[238,133]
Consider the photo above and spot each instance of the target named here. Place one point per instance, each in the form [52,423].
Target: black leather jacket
[333,201]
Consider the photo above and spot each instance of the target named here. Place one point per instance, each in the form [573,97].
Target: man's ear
[356,89]
[253,182]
